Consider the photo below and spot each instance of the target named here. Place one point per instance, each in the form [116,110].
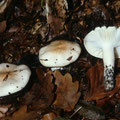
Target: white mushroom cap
[13,78]
[103,42]
[59,53]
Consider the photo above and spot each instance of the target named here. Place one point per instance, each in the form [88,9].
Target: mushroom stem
[108,59]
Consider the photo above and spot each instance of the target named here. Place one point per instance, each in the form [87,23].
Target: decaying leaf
[41,95]
[3,26]
[116,5]
[61,6]
[33,5]
[22,114]
[96,90]
[49,116]
[56,24]
[67,91]
[105,104]
[4,109]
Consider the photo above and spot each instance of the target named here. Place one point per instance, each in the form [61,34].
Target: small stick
[75,111]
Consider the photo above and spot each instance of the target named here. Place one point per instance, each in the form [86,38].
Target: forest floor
[80,94]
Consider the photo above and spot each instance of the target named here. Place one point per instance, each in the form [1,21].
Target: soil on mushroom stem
[27,30]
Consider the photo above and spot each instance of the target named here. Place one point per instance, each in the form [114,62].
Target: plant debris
[67,91]
[96,87]
[28,25]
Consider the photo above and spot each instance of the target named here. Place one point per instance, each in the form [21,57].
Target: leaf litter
[25,28]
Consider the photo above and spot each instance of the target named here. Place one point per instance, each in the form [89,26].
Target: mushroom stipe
[109,78]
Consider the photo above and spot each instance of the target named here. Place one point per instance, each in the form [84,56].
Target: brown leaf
[41,95]
[56,23]
[96,90]
[3,110]
[61,6]
[22,114]
[2,26]
[33,5]
[104,104]
[67,91]
[49,116]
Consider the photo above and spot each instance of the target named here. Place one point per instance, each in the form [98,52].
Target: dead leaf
[49,116]
[116,5]
[33,5]
[3,26]
[13,29]
[104,104]
[96,90]
[41,95]
[61,6]
[67,91]
[4,110]
[56,24]
[22,114]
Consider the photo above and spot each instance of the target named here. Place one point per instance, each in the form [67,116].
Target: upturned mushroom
[59,53]
[104,42]
[13,78]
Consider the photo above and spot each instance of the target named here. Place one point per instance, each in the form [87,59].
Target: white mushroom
[104,42]
[13,78]
[59,53]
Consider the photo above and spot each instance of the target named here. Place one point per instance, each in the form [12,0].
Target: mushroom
[104,42]
[13,78]
[59,53]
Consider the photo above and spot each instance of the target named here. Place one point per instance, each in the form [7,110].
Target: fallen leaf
[41,94]
[33,5]
[4,109]
[56,24]
[49,116]
[22,114]
[96,89]
[105,104]
[3,26]
[116,5]
[67,94]
[61,6]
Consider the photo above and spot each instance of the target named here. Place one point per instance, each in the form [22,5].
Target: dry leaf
[67,91]
[33,5]
[116,5]
[104,104]
[41,95]
[96,90]
[49,116]
[4,109]
[56,24]
[22,114]
[3,26]
[61,6]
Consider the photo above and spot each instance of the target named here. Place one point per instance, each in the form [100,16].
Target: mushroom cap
[95,40]
[59,53]
[13,78]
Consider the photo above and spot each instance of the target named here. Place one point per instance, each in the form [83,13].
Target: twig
[75,111]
